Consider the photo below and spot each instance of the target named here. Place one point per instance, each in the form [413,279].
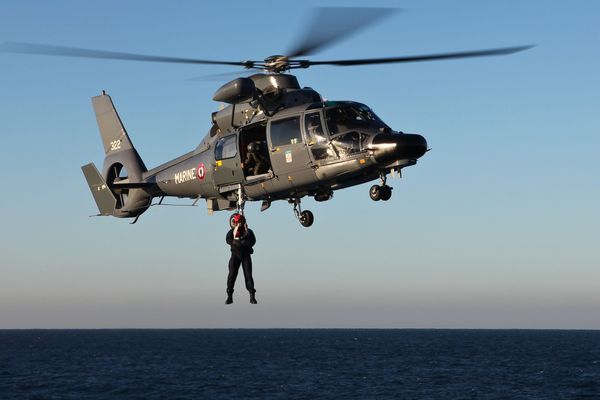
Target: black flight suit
[241,249]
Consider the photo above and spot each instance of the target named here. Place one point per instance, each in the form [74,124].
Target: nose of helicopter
[397,146]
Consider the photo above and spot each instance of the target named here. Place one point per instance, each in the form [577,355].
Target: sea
[299,364]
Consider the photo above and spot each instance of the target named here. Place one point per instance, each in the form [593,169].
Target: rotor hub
[277,63]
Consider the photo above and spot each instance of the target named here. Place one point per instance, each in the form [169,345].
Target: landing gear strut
[383,192]
[305,217]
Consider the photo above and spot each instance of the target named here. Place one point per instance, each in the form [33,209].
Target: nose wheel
[381,192]
[305,217]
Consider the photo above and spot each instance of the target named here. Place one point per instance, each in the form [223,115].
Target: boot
[229,297]
[252,298]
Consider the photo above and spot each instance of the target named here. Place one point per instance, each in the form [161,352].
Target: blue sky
[496,227]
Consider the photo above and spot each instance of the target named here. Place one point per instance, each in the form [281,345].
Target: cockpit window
[349,143]
[352,117]
[317,141]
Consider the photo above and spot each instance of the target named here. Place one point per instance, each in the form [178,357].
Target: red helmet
[238,219]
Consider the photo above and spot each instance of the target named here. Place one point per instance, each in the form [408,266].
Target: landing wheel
[375,192]
[306,218]
[385,192]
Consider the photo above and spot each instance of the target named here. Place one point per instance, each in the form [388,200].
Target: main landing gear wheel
[306,218]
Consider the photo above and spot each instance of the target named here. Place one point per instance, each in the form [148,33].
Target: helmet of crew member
[252,147]
[238,219]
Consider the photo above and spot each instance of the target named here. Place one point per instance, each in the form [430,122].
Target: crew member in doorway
[241,239]
[254,162]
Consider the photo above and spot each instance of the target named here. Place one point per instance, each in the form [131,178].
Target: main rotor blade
[33,48]
[331,24]
[225,75]
[426,57]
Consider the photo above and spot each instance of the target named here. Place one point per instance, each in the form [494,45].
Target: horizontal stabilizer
[132,185]
[104,197]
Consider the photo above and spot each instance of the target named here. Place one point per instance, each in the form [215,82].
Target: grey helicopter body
[273,141]
[310,147]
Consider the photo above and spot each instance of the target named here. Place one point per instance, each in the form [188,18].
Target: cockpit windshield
[352,117]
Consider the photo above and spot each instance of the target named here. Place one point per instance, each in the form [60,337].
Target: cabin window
[285,132]
[226,147]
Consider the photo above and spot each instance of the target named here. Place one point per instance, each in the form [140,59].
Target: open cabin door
[254,152]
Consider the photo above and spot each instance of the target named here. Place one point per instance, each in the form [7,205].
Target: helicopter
[275,140]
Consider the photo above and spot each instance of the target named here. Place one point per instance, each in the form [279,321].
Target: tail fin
[122,163]
[113,133]
[105,198]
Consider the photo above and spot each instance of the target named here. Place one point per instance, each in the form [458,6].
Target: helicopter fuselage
[352,149]
[274,141]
